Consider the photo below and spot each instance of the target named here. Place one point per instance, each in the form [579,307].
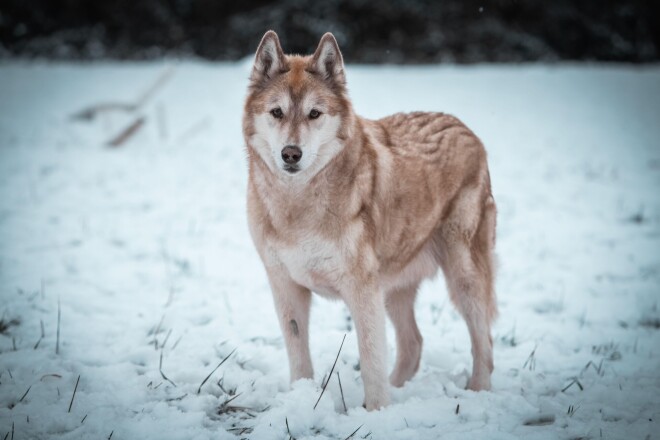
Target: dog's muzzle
[291,155]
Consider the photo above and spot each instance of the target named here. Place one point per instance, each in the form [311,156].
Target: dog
[364,210]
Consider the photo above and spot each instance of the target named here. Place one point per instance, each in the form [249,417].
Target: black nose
[291,154]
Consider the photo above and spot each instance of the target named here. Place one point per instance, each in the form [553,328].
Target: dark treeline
[417,31]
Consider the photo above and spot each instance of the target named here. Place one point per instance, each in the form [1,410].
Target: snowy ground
[145,250]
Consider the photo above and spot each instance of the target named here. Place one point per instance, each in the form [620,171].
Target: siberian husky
[364,210]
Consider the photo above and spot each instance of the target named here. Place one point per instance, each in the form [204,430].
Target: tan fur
[382,205]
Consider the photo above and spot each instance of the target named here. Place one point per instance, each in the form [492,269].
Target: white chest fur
[314,263]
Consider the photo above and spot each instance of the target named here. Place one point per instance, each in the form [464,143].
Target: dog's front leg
[292,304]
[367,307]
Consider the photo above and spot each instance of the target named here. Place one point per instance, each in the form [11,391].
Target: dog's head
[297,112]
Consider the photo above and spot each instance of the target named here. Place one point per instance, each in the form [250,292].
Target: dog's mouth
[291,169]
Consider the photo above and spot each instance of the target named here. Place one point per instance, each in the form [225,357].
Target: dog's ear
[327,60]
[270,60]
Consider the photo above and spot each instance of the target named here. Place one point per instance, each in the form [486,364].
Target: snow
[145,251]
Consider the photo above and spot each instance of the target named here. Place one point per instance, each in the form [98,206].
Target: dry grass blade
[288,431]
[598,369]
[575,381]
[331,370]
[341,391]
[531,361]
[26,393]
[160,368]
[166,338]
[214,370]
[354,432]
[176,343]
[226,408]
[43,332]
[74,393]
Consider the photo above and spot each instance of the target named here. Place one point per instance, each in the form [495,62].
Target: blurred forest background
[401,31]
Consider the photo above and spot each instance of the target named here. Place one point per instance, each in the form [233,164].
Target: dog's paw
[376,402]
[479,383]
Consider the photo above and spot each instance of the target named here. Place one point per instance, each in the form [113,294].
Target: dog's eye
[314,114]
[277,113]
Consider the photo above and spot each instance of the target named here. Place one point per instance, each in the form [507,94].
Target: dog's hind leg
[400,305]
[467,262]
[292,303]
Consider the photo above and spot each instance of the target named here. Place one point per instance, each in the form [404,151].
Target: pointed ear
[327,60]
[269,60]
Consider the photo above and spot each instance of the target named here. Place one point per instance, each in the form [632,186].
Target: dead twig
[331,370]
[126,133]
[89,113]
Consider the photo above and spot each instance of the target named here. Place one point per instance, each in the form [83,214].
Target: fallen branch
[126,133]
[89,113]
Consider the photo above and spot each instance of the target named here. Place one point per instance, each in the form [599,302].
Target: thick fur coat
[364,210]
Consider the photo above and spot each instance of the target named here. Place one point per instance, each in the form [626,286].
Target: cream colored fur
[374,208]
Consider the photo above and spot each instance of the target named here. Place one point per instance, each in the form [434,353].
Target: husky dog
[364,210]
